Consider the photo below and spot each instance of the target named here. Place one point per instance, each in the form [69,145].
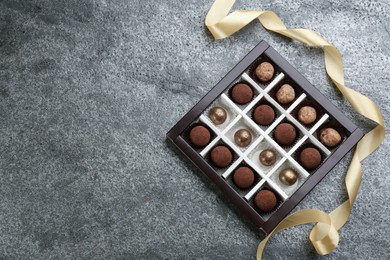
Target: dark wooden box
[289,197]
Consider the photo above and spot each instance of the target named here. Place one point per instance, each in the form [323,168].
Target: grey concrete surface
[88,90]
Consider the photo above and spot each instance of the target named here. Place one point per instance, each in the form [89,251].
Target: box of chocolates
[265,136]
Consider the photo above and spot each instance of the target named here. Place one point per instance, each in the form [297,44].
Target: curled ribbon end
[324,238]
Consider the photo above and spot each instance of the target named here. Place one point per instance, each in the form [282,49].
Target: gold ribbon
[324,235]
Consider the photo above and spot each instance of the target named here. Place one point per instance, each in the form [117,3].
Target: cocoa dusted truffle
[242,93]
[330,137]
[266,200]
[243,177]
[307,115]
[310,158]
[285,134]
[221,156]
[264,115]
[200,136]
[286,94]
[265,71]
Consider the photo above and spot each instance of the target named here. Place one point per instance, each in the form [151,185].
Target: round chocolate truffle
[242,93]
[221,156]
[330,137]
[200,136]
[243,177]
[286,94]
[218,115]
[307,115]
[285,134]
[267,157]
[243,137]
[310,158]
[288,176]
[265,71]
[264,115]
[266,200]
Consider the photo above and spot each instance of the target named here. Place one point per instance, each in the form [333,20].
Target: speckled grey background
[88,90]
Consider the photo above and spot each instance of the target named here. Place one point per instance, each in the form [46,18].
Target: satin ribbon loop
[325,238]
[324,235]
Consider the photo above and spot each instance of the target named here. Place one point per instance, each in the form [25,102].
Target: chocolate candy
[310,158]
[266,200]
[288,176]
[330,137]
[243,137]
[221,156]
[285,134]
[218,115]
[243,177]
[307,115]
[264,115]
[200,136]
[242,93]
[285,95]
[267,157]
[265,71]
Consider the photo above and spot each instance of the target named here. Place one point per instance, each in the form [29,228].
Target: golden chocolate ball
[217,115]
[288,176]
[243,137]
[267,157]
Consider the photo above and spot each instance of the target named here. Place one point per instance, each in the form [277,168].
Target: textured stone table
[88,89]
